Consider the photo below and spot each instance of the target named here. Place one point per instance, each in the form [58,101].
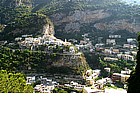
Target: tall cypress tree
[134,80]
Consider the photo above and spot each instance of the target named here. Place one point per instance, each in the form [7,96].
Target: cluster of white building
[127,52]
[93,85]
[92,75]
[46,85]
[75,85]
[110,49]
[29,41]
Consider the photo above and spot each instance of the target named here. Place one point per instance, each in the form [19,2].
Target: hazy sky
[132,1]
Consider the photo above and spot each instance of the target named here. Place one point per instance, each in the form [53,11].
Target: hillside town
[97,48]
[93,81]
[110,49]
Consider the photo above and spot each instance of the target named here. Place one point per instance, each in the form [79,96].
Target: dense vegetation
[14,3]
[97,62]
[8,14]
[50,7]
[13,83]
[134,80]
[26,24]
[13,59]
[18,20]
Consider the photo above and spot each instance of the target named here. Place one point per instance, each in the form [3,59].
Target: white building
[107,69]
[99,45]
[72,50]
[111,42]
[30,80]
[44,89]
[107,51]
[127,57]
[114,36]
[110,59]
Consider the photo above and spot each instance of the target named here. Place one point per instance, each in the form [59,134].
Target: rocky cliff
[72,64]
[73,18]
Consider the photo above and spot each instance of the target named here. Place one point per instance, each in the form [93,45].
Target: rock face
[74,21]
[80,16]
[91,16]
[67,64]
[118,25]
[48,29]
[76,63]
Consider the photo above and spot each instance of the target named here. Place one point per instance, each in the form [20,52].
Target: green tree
[134,80]
[13,83]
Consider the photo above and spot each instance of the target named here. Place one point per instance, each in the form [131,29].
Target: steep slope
[73,18]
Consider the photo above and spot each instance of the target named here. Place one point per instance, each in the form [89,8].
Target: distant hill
[132,1]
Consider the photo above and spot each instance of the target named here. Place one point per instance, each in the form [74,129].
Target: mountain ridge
[74,18]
